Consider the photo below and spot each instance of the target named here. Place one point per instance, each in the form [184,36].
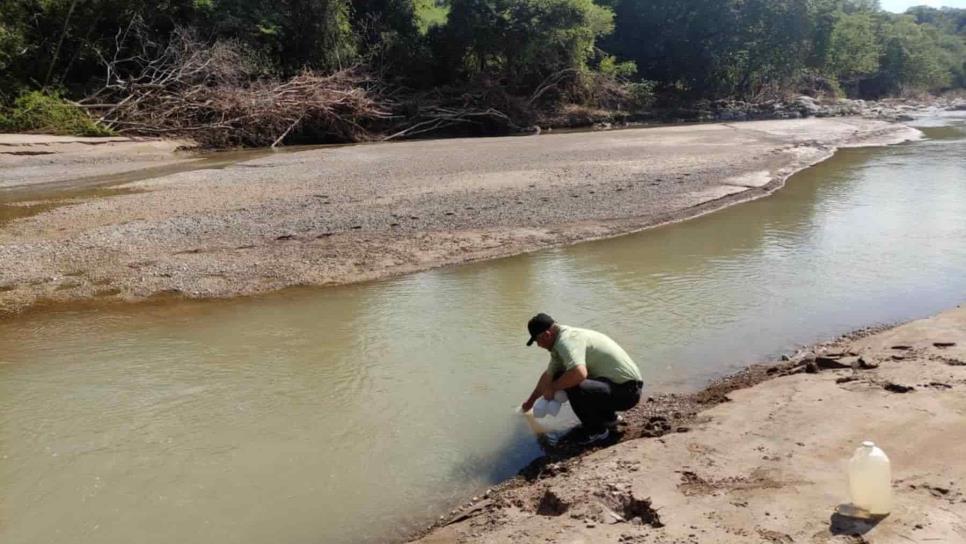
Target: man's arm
[542,384]
[569,379]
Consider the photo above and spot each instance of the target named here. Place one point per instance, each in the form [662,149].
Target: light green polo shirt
[601,355]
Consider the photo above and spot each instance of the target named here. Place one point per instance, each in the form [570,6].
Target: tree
[521,41]
[767,48]
[62,43]
[853,49]
[294,34]
[674,42]
[11,47]
[910,59]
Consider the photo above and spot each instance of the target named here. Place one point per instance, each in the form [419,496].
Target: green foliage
[63,42]
[948,20]
[610,66]
[49,114]
[11,43]
[642,93]
[430,13]
[295,34]
[911,58]
[521,42]
[853,47]
[694,48]
[674,42]
[767,49]
[713,48]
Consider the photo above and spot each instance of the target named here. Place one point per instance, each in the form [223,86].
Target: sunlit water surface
[359,413]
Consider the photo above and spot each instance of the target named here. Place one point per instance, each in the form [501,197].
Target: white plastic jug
[870,479]
[543,407]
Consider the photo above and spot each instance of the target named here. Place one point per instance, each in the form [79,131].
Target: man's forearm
[542,384]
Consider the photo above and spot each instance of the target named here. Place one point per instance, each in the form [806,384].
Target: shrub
[610,66]
[642,94]
[36,111]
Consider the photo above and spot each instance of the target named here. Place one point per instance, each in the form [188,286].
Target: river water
[359,413]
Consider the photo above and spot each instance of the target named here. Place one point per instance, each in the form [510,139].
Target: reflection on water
[357,413]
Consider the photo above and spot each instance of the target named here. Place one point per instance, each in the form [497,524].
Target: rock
[867,365]
[851,361]
[898,388]
[806,105]
[830,363]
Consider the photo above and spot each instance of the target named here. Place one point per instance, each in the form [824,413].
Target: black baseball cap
[538,324]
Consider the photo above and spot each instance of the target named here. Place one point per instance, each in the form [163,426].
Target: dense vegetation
[468,60]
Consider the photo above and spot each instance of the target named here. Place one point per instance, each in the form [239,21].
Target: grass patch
[48,113]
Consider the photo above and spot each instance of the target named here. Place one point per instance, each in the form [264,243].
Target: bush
[642,94]
[36,111]
[610,66]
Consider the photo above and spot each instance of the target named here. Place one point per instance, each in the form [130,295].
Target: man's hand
[526,406]
[548,392]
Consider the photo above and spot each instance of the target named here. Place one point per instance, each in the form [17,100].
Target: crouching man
[600,379]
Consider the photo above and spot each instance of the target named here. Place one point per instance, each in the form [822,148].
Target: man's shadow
[848,520]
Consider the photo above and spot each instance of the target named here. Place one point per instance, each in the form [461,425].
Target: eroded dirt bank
[765,463]
[346,214]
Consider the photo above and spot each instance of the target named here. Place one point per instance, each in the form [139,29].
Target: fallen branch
[289,129]
[209,92]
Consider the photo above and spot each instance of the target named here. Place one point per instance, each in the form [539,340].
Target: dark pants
[595,401]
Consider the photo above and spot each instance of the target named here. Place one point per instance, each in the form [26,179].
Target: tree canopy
[693,48]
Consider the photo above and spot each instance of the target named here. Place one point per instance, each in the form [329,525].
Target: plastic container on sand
[870,480]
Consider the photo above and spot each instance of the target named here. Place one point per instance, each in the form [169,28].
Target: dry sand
[344,214]
[766,463]
[39,160]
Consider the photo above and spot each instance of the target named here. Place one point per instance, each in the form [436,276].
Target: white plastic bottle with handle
[551,407]
[870,479]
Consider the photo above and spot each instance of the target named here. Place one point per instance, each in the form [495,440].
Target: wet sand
[762,456]
[346,214]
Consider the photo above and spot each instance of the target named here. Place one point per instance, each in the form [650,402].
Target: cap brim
[531,341]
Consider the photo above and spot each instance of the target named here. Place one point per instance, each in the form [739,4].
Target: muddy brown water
[359,413]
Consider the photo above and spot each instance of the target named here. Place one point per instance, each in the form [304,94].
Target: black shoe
[594,438]
[619,420]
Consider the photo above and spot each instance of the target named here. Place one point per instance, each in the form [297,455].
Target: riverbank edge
[564,234]
[841,359]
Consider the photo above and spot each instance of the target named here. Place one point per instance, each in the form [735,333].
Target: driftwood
[212,94]
[209,93]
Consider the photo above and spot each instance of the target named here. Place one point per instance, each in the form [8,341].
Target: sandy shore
[40,160]
[344,214]
[765,463]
